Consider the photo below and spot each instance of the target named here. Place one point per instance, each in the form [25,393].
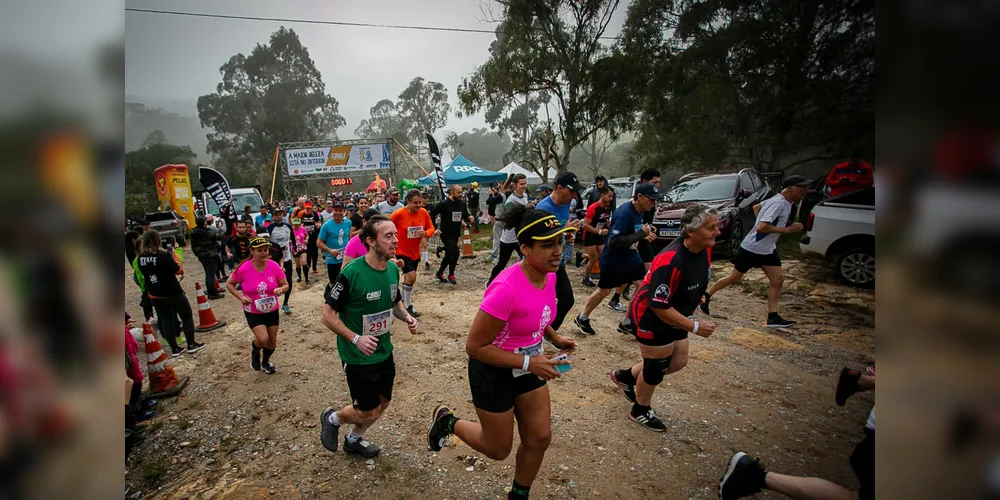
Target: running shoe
[648,420]
[589,282]
[775,321]
[451,279]
[441,278]
[150,403]
[427,266]
[145,415]
[617,306]
[626,327]
[299,279]
[847,385]
[176,351]
[254,359]
[361,447]
[195,347]
[413,312]
[627,292]
[744,477]
[627,390]
[285,309]
[268,368]
[328,432]
[704,305]
[437,436]
[584,325]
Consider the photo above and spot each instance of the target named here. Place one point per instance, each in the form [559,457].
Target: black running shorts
[863,463]
[370,383]
[299,253]
[409,265]
[611,279]
[745,260]
[494,389]
[265,319]
[591,239]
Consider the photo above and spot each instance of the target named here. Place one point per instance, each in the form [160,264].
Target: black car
[732,194]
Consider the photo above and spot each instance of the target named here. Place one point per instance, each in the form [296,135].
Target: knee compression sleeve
[652,370]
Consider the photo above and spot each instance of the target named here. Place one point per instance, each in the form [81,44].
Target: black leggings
[288,278]
[451,254]
[169,308]
[312,255]
[564,296]
[506,250]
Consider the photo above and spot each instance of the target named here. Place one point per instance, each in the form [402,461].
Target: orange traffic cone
[162,379]
[206,318]
[467,252]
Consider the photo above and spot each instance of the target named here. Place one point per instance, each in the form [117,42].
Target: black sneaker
[627,292]
[441,278]
[361,447]
[145,415]
[616,306]
[176,351]
[328,433]
[413,312]
[847,385]
[299,279]
[584,325]
[627,390]
[589,282]
[268,368]
[437,436]
[427,266]
[648,420]
[451,279]
[194,347]
[704,305]
[626,327]
[255,359]
[775,321]
[744,477]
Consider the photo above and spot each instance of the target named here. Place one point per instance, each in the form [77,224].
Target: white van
[241,198]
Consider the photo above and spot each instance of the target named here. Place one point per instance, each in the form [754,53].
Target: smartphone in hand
[563,368]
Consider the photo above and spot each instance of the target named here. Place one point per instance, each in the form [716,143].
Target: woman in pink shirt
[300,242]
[508,368]
[261,283]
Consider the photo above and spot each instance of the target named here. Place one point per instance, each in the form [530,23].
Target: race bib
[530,350]
[599,226]
[412,232]
[456,216]
[377,324]
[266,304]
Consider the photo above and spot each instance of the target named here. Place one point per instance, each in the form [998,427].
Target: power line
[315,21]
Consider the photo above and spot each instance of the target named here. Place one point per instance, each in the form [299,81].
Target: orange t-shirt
[406,223]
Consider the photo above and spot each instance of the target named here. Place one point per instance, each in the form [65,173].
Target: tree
[758,83]
[596,148]
[274,95]
[483,146]
[155,137]
[384,122]
[550,52]
[423,108]
[140,187]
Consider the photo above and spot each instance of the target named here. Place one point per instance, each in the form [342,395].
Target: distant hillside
[181,128]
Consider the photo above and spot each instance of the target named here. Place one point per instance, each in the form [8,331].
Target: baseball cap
[351,206]
[543,228]
[649,191]
[338,204]
[568,179]
[258,242]
[307,204]
[544,187]
[600,178]
[795,180]
[296,221]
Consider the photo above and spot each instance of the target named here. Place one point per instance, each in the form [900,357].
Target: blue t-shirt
[625,221]
[561,213]
[335,235]
[259,220]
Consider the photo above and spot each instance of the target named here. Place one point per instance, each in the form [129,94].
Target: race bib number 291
[377,324]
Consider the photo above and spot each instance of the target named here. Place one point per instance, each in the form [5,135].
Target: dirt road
[236,433]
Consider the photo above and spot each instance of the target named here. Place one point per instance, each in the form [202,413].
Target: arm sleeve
[435,209]
[498,302]
[619,241]
[660,283]
[340,294]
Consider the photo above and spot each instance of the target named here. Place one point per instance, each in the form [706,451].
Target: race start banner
[337,159]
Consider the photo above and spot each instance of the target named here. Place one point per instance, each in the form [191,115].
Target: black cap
[649,191]
[543,228]
[795,180]
[600,178]
[568,179]
[338,204]
[544,187]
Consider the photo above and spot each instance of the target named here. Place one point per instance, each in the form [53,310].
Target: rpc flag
[436,158]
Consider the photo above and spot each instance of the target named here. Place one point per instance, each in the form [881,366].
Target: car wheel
[856,267]
[181,241]
[735,238]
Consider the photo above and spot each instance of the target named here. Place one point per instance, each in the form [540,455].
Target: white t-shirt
[776,211]
[325,215]
[387,210]
[509,235]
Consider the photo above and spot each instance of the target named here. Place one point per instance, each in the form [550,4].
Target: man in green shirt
[359,309]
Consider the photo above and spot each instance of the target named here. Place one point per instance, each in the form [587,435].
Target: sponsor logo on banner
[337,159]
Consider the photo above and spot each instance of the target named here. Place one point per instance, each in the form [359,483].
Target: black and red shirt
[676,279]
[598,216]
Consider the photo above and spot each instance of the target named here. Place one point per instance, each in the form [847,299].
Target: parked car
[242,197]
[623,187]
[842,230]
[169,224]
[732,194]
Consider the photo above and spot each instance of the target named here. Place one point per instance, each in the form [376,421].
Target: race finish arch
[357,159]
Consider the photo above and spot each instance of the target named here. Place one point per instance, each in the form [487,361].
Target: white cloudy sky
[174,57]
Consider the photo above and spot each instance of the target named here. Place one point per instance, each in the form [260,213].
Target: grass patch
[154,468]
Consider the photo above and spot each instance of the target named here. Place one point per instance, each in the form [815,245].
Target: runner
[239,244]
[595,227]
[650,176]
[261,281]
[332,239]
[262,220]
[620,260]
[359,309]
[357,219]
[760,247]
[300,238]
[355,247]
[280,234]
[508,237]
[311,222]
[162,275]
[413,223]
[327,214]
[660,311]
[557,204]
[454,215]
[389,207]
[508,369]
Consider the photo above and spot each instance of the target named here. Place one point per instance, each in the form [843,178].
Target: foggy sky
[175,57]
